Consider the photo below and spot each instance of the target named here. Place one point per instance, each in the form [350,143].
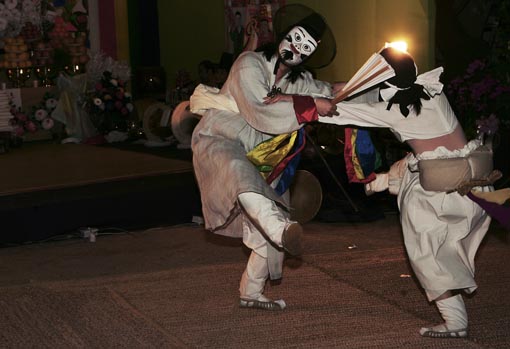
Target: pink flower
[81,19]
[21,117]
[40,114]
[118,105]
[488,125]
[474,66]
[30,126]
[124,111]
[19,131]
[47,123]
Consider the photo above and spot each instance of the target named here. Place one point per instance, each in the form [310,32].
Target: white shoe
[262,303]
[454,313]
[441,331]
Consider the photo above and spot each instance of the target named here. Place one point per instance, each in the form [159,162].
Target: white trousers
[442,233]
[263,227]
[264,220]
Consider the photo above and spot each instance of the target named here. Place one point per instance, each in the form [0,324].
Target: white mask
[297,45]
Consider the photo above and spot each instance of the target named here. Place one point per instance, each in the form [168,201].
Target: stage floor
[53,189]
[36,167]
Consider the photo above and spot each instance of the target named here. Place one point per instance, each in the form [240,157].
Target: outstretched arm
[321,106]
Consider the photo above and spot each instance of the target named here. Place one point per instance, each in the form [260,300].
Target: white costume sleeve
[250,83]
[435,119]
[360,114]
[251,80]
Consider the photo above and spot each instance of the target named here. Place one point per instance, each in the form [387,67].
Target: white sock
[254,278]
[454,313]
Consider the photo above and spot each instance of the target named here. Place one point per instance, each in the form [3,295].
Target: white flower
[114,82]
[3,24]
[98,102]
[51,103]
[127,94]
[10,4]
[130,107]
[47,123]
[40,114]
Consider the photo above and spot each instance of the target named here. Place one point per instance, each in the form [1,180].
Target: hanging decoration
[249,23]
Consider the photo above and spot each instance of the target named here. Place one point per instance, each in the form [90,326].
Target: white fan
[374,71]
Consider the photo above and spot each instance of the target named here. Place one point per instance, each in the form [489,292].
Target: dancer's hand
[337,87]
[325,107]
[278,98]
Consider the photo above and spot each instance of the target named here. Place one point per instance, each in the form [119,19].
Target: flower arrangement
[480,98]
[109,105]
[39,118]
[107,100]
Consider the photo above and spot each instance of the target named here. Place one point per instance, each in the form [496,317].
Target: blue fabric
[366,152]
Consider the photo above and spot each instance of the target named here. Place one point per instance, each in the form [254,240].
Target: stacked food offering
[17,54]
[5,112]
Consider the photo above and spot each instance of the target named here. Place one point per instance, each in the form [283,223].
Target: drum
[305,196]
[183,123]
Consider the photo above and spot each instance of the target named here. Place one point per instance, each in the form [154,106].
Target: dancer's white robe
[442,232]
[234,122]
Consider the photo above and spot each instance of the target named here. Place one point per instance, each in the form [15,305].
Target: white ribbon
[206,97]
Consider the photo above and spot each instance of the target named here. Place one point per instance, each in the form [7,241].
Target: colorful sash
[360,155]
[279,155]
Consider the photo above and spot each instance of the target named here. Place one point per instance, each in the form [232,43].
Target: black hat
[314,24]
[405,69]
[290,16]
[403,65]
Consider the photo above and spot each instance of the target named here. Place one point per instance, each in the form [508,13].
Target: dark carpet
[173,287]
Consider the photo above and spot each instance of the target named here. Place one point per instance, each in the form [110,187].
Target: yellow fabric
[121,30]
[270,153]
[355,161]
[65,99]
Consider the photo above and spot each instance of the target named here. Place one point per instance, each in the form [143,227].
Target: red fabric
[107,33]
[281,166]
[305,109]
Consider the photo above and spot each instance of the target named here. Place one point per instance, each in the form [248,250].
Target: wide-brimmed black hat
[290,16]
